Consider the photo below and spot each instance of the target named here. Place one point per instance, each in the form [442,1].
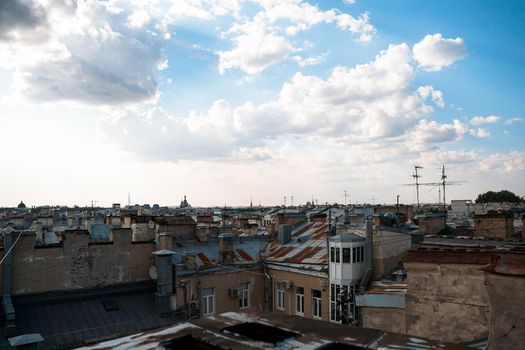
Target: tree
[501,196]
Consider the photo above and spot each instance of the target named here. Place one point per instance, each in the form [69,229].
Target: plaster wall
[387,319]
[507,311]
[78,264]
[446,302]
[309,282]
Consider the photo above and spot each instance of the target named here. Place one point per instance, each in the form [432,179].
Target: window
[334,308]
[279,296]
[299,300]
[332,254]
[358,254]
[346,255]
[353,255]
[362,253]
[244,296]
[316,303]
[208,302]
[337,255]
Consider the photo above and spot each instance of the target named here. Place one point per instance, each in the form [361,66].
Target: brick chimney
[225,248]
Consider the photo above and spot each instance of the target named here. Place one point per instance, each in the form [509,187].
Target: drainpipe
[369,248]
[7,303]
[269,291]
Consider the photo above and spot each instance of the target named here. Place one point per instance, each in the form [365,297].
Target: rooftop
[243,331]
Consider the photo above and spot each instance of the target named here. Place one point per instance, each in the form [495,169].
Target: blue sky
[226,100]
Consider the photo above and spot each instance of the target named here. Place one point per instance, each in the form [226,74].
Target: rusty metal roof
[307,246]
[246,250]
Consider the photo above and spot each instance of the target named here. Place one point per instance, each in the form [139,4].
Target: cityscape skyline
[231,100]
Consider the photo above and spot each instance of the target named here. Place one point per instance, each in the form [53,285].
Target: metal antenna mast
[416,177]
[346,195]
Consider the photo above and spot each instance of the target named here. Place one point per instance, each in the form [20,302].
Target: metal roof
[307,246]
[74,318]
[309,334]
[246,250]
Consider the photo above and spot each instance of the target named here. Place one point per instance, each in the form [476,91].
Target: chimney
[165,281]
[225,248]
[285,234]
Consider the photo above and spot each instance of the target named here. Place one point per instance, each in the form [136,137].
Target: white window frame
[244,298]
[299,302]
[316,306]
[279,296]
[208,303]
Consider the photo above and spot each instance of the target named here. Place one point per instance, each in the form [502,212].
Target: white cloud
[503,162]
[484,120]
[254,52]
[138,19]
[434,52]
[513,120]
[436,95]
[479,133]
[309,61]
[262,40]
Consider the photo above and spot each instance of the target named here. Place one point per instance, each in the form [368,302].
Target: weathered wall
[143,232]
[431,225]
[387,319]
[446,302]
[507,310]
[495,227]
[79,264]
[389,249]
[308,282]
[222,282]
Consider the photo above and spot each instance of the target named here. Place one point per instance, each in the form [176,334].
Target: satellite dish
[153,273]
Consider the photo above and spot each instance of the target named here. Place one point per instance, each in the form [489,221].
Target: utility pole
[397,204]
[416,177]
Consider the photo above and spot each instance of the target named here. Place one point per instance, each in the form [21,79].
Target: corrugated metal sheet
[307,246]
[246,250]
[68,322]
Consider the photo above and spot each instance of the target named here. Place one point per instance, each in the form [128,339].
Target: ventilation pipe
[7,303]
[369,248]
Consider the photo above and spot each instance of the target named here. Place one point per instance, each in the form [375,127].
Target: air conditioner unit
[233,292]
[194,305]
[288,284]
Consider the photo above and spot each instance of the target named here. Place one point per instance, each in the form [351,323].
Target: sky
[229,101]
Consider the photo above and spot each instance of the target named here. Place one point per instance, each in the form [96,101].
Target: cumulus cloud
[435,95]
[503,162]
[89,55]
[479,133]
[309,61]
[264,39]
[511,121]
[434,52]
[254,52]
[484,120]
[361,104]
